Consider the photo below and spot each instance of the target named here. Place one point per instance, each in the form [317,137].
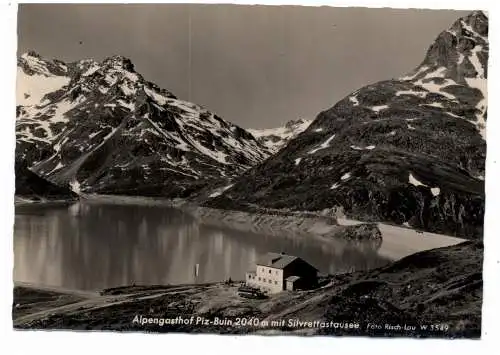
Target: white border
[116,343]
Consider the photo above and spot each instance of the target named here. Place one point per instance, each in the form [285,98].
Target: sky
[256,66]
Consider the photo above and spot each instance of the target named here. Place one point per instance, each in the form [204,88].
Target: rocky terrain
[32,188]
[103,128]
[276,138]
[409,150]
[435,293]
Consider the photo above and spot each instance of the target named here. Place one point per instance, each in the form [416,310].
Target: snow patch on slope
[435,191]
[428,84]
[412,180]
[378,108]
[324,145]
[354,100]
[345,176]
[160,99]
[30,89]
[421,94]
[355,147]
[219,191]
[479,83]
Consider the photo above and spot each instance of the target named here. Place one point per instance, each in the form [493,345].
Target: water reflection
[94,246]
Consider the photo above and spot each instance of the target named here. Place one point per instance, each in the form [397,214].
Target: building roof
[292,278]
[277,260]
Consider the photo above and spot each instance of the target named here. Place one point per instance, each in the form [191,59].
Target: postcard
[250,169]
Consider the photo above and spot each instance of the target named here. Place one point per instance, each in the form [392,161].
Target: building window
[259,278]
[275,282]
[270,281]
[269,270]
[264,280]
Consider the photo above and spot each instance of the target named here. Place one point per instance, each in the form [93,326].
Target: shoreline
[274,223]
[299,224]
[44,203]
[394,241]
[403,239]
[132,200]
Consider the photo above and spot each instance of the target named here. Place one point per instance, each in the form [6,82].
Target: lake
[92,246]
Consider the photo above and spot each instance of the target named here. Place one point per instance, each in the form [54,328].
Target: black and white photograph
[250,170]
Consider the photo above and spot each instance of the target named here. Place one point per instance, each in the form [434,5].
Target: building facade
[282,272]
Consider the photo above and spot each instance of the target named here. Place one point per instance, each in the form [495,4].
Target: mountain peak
[31,53]
[478,14]
[459,53]
[474,25]
[276,138]
[119,61]
[32,63]
[105,109]
[294,123]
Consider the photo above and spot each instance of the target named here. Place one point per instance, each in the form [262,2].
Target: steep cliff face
[104,127]
[407,150]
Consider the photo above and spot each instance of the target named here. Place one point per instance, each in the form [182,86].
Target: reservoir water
[91,246]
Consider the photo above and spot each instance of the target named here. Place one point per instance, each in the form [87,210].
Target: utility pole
[196,272]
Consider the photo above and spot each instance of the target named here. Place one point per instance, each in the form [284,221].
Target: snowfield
[30,89]
[275,138]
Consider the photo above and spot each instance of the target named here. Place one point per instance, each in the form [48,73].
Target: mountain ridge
[104,126]
[409,150]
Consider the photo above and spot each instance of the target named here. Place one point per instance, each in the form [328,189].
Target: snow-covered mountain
[276,138]
[407,150]
[103,127]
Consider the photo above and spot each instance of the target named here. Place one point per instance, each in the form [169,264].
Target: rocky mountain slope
[30,187]
[103,128]
[407,150]
[276,138]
